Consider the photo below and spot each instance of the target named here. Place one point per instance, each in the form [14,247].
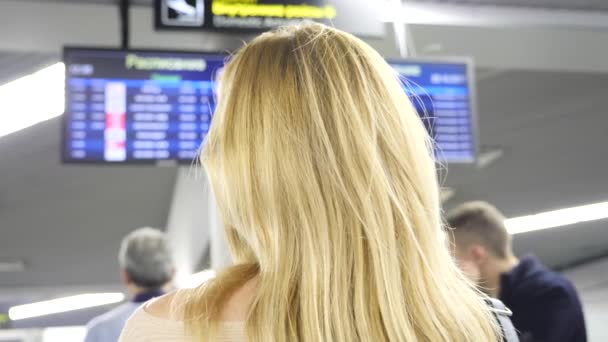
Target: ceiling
[583,5]
[15,64]
[553,129]
[132,2]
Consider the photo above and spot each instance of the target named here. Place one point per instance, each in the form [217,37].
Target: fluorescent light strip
[32,99]
[64,304]
[557,218]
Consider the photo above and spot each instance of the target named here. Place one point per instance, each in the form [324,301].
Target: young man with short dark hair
[545,305]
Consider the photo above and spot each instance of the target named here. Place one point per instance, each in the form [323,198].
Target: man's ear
[478,253]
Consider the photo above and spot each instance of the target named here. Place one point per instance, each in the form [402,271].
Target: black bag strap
[502,315]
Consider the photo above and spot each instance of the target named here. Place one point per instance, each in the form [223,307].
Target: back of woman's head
[325,178]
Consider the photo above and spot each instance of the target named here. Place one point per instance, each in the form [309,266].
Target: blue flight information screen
[147,107]
[441,93]
[137,106]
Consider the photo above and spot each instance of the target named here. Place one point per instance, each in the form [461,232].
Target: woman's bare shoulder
[155,319]
[167,306]
[234,308]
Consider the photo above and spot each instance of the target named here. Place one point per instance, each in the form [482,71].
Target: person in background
[147,268]
[545,305]
[325,179]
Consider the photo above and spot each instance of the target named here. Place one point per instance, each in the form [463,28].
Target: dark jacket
[545,305]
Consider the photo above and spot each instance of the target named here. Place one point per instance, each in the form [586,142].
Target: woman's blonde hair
[325,179]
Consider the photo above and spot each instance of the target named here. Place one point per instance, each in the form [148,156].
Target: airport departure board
[147,107]
[442,93]
[137,106]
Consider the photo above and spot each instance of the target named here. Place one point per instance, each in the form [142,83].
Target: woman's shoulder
[163,307]
[161,319]
[155,321]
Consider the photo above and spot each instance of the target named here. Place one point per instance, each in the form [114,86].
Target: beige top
[145,327]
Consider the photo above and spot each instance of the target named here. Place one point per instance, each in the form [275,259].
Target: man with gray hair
[147,268]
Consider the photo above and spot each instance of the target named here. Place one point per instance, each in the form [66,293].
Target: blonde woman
[326,182]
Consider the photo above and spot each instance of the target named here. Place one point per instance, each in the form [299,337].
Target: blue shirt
[107,327]
[545,305]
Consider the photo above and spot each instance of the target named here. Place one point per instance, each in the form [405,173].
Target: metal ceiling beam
[501,47]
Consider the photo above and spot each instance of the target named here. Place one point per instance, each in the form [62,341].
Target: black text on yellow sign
[250,9]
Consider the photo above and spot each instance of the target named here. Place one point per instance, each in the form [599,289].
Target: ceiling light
[473,15]
[64,304]
[32,99]
[557,218]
